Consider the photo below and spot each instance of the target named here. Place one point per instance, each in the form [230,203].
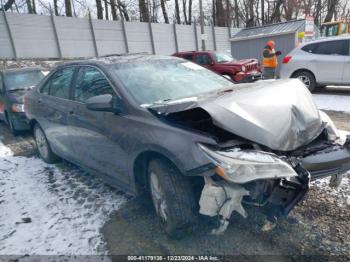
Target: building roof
[272,29]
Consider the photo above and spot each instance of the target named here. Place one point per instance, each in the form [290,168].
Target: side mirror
[107,103]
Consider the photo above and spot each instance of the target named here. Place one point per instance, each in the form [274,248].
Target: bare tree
[113,10]
[106,9]
[331,8]
[29,6]
[144,15]
[165,14]
[68,6]
[99,9]
[7,5]
[177,12]
[55,7]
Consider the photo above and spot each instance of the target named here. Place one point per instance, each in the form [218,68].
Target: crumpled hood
[279,114]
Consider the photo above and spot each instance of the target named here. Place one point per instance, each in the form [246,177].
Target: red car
[245,70]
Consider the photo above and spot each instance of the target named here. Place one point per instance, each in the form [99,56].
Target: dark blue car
[14,83]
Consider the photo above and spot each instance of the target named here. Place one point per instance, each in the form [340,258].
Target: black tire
[307,78]
[41,141]
[10,124]
[178,197]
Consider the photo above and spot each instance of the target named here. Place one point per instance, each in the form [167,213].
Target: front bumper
[274,197]
[332,161]
[246,77]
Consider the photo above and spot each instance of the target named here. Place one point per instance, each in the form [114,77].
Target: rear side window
[338,47]
[59,83]
[91,82]
[202,59]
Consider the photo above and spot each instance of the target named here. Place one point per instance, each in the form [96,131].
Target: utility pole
[202,24]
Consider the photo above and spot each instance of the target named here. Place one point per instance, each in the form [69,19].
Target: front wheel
[307,78]
[173,198]
[43,146]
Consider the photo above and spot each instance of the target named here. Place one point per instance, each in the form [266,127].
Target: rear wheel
[307,78]
[43,146]
[173,198]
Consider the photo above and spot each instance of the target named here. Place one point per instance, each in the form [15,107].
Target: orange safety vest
[270,62]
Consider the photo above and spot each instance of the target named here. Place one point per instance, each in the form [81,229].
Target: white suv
[319,63]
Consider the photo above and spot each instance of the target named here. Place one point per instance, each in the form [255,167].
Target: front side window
[203,59]
[91,82]
[168,79]
[59,83]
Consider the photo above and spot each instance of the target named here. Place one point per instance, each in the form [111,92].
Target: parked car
[240,71]
[14,83]
[319,63]
[187,135]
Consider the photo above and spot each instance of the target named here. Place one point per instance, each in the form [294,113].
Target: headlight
[243,68]
[18,108]
[240,166]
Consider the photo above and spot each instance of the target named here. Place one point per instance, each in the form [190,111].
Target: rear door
[327,60]
[97,136]
[53,107]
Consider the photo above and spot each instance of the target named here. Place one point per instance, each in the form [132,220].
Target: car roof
[326,39]
[119,59]
[20,70]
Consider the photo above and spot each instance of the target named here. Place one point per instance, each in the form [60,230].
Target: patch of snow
[341,193]
[48,210]
[332,102]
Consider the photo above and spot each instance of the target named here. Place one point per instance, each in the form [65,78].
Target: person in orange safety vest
[269,61]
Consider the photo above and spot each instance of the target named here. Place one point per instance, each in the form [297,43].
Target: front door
[97,136]
[203,60]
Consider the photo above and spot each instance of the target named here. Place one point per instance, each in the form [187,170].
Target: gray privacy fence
[24,36]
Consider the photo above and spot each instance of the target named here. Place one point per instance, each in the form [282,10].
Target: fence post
[229,32]
[93,35]
[214,36]
[10,34]
[196,35]
[151,37]
[125,36]
[175,37]
[56,35]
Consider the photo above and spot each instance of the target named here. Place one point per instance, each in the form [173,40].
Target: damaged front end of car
[266,151]
[251,177]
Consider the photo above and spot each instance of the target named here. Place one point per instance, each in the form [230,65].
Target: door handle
[39,101]
[71,112]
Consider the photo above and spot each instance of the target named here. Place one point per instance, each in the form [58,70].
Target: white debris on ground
[332,102]
[45,210]
[341,193]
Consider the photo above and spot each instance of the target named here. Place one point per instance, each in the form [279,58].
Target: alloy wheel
[158,197]
[306,80]
[41,143]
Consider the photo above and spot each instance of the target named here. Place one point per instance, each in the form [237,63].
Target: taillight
[286,59]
